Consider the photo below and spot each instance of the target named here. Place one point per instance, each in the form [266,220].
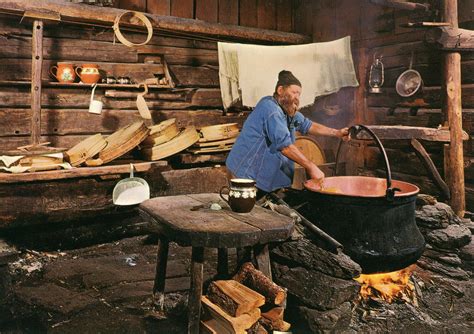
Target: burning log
[256,280]
[388,286]
[234,298]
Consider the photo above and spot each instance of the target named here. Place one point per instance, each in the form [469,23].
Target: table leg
[160,273]
[222,263]
[262,256]
[195,293]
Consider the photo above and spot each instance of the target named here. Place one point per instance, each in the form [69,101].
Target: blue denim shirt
[257,152]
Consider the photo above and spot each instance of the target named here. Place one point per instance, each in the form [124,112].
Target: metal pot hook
[353,131]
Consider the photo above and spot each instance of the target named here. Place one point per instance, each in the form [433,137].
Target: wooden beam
[80,14]
[36,65]
[430,167]
[402,5]
[400,132]
[453,111]
[453,39]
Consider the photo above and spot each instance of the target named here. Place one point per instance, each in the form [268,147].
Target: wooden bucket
[219,132]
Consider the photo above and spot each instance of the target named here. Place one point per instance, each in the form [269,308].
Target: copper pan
[360,186]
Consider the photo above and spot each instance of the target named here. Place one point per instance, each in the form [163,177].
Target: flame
[388,286]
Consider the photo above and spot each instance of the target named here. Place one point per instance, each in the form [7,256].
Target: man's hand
[344,134]
[315,173]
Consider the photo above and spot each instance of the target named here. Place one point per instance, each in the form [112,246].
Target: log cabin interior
[95,94]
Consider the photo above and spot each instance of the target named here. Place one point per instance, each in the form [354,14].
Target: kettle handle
[221,195]
[353,131]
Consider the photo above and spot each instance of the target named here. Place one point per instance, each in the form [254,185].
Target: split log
[234,298]
[257,281]
[453,39]
[257,328]
[228,323]
[273,320]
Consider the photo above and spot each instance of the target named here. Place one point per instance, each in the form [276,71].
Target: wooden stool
[188,221]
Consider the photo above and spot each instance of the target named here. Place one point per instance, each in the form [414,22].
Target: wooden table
[188,220]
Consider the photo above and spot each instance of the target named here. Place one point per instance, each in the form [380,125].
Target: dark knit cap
[286,78]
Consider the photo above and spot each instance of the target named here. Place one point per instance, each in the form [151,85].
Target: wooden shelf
[119,168]
[81,85]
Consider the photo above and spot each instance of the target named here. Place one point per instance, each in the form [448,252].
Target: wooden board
[179,143]
[207,10]
[228,12]
[409,132]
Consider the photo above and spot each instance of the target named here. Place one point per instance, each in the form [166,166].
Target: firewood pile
[249,303]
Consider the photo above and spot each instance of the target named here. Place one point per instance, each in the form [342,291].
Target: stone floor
[107,289]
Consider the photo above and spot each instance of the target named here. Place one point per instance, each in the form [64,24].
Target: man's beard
[288,104]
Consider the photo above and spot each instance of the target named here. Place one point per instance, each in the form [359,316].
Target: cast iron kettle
[373,218]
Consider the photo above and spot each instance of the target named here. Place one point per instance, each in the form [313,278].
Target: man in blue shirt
[265,150]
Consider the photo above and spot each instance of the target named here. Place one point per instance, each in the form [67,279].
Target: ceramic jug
[64,72]
[242,195]
[89,73]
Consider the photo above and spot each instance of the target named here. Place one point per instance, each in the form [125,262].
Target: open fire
[391,286]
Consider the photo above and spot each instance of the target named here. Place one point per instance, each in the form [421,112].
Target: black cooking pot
[373,218]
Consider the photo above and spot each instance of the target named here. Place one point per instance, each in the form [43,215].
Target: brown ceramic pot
[64,72]
[242,195]
[89,73]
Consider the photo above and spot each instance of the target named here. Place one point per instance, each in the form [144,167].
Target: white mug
[95,106]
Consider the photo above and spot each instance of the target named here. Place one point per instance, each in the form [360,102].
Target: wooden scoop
[141,104]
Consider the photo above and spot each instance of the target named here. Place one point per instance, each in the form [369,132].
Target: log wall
[377,30]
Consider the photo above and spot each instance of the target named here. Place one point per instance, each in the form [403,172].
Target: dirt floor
[107,289]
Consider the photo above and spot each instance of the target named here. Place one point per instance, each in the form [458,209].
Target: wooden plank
[324,28]
[80,172]
[137,5]
[187,76]
[207,10]
[64,128]
[266,14]
[71,49]
[284,14]
[402,4]
[228,12]
[347,17]
[159,7]
[248,13]
[447,38]
[303,17]
[182,8]
[181,56]
[84,14]
[360,93]
[36,67]
[399,132]
[430,97]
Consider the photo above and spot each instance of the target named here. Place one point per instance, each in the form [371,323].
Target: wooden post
[36,65]
[452,110]
[361,116]
[160,272]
